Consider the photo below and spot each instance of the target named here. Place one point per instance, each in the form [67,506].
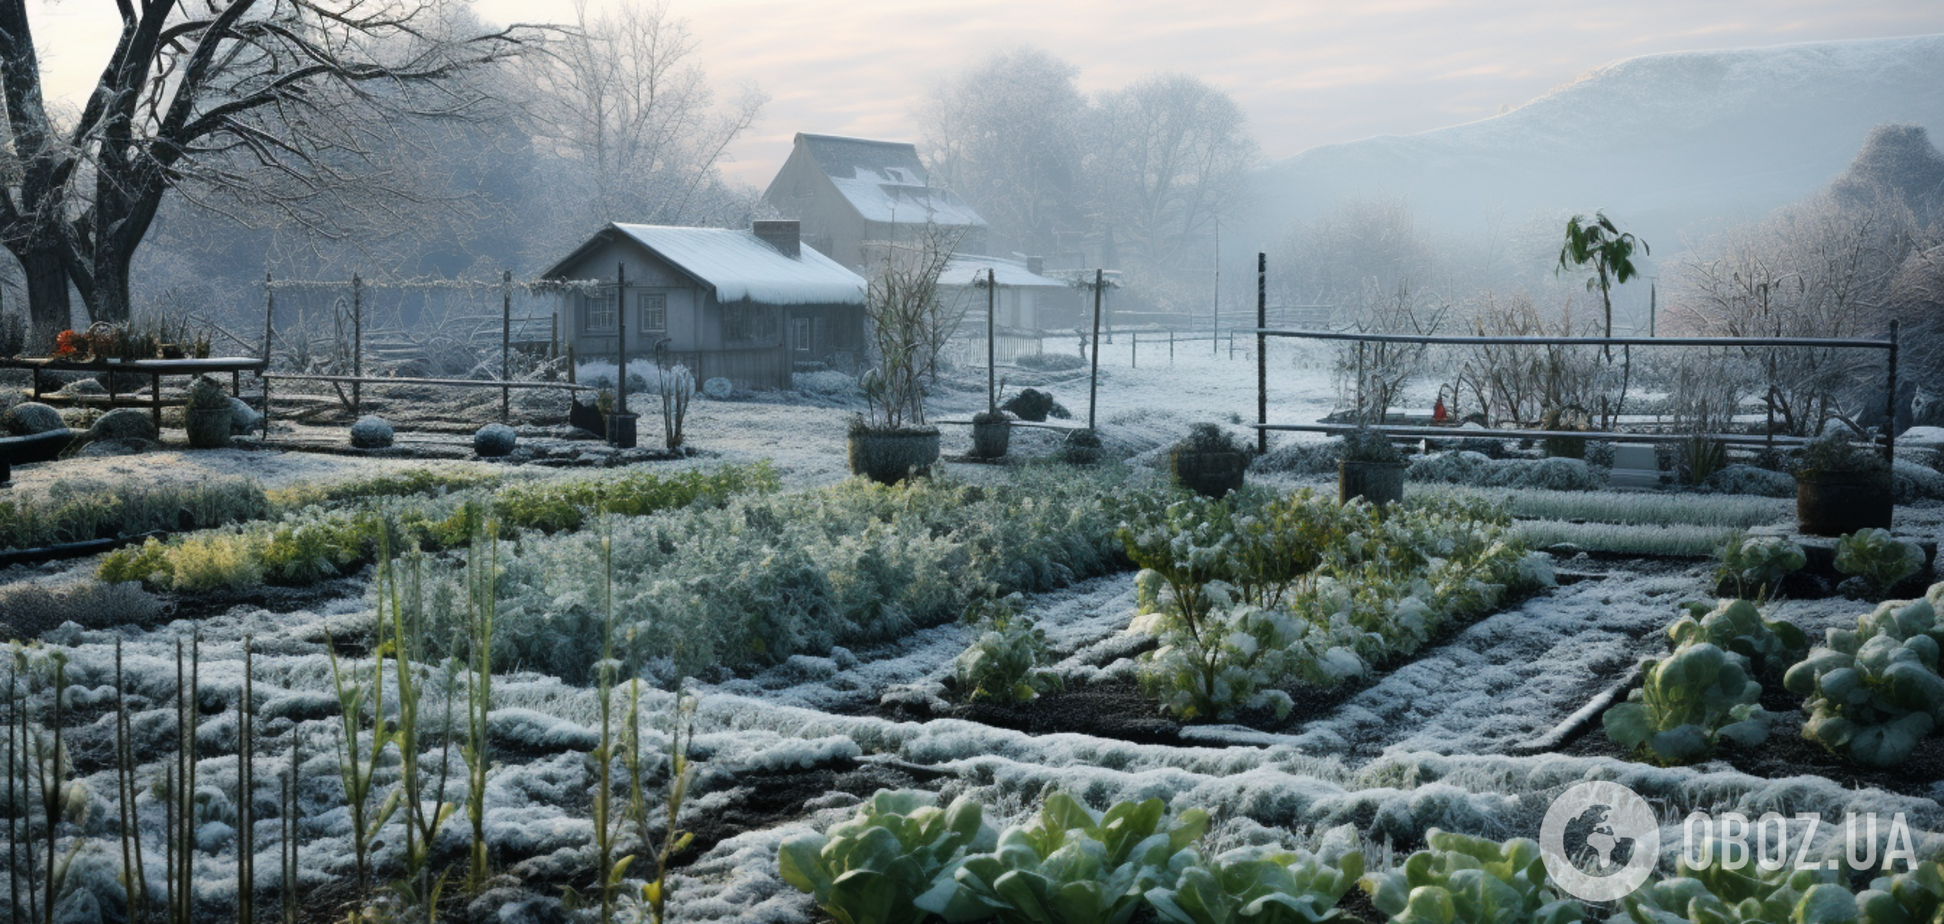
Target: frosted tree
[1005,134]
[628,125]
[1166,156]
[235,103]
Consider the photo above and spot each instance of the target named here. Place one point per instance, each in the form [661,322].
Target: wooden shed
[751,306]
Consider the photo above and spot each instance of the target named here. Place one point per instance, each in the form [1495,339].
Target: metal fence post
[269,315]
[357,345]
[506,343]
[1262,353]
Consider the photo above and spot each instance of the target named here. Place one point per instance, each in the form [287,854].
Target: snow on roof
[885,181]
[740,266]
[966,270]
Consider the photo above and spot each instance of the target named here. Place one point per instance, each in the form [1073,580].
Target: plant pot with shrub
[909,324]
[1209,462]
[1841,488]
[1370,467]
[991,434]
[207,416]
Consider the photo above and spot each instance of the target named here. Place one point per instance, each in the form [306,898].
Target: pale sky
[1307,72]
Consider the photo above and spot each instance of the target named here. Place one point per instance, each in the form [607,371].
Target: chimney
[1035,265]
[785,236]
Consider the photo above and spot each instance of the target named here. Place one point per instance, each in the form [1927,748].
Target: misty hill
[1670,144]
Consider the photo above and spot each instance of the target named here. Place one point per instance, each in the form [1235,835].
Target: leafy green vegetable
[1872,701]
[1756,565]
[1736,626]
[1003,663]
[1256,885]
[1470,880]
[1070,865]
[1687,702]
[1875,556]
[870,869]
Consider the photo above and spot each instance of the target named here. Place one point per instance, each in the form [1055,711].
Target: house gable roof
[737,264]
[885,181]
[971,270]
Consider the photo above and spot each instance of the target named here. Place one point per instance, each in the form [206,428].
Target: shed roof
[738,265]
[967,270]
[885,181]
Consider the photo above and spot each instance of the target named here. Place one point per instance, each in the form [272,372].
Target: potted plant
[909,322]
[991,434]
[1369,467]
[1841,488]
[1209,462]
[207,416]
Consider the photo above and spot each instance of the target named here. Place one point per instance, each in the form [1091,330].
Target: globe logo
[1607,826]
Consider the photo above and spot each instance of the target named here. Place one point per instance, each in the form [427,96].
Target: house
[751,306]
[850,193]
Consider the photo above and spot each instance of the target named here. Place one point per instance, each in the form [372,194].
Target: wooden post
[1262,352]
[620,343]
[1093,378]
[1170,346]
[506,343]
[570,365]
[1134,350]
[1890,402]
[357,345]
[992,301]
[245,785]
[269,315]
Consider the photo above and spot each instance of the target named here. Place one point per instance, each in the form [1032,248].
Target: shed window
[597,312]
[751,325]
[653,312]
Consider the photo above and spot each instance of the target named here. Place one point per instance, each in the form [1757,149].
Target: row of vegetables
[902,859]
[1261,592]
[1872,693]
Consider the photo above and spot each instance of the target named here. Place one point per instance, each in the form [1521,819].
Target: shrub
[1686,702]
[1003,663]
[1834,452]
[1367,445]
[1461,879]
[217,561]
[1757,565]
[1207,437]
[871,869]
[1050,362]
[72,511]
[1880,560]
[1069,865]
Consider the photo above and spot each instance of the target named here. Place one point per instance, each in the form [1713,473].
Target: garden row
[1871,693]
[902,859]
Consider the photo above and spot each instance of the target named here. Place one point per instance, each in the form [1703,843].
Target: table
[155,369]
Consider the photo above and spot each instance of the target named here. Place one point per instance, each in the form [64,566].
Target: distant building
[749,306]
[850,193]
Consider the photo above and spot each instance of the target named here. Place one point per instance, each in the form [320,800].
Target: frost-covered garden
[738,686]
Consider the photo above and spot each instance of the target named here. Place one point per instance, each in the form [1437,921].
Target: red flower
[67,343]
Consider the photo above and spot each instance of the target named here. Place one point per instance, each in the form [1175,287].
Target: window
[751,325]
[653,314]
[597,312]
[802,336]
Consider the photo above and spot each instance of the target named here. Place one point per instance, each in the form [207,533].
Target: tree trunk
[47,297]
[110,300]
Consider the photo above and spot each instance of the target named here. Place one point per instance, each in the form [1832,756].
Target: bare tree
[1821,269]
[1525,385]
[1168,154]
[1376,373]
[268,102]
[631,120]
[1005,135]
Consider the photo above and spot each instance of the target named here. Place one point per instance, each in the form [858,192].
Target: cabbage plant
[1878,558]
[1736,626]
[1914,897]
[869,870]
[1256,885]
[1070,865]
[1463,880]
[1003,663]
[1686,703]
[1756,565]
[1872,700]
